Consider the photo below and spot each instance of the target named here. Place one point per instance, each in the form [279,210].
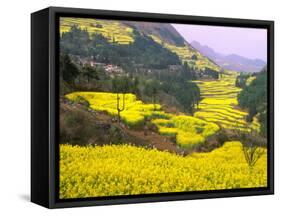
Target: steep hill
[112,30]
[161,30]
[166,35]
[122,32]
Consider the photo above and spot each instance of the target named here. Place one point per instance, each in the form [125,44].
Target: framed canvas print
[138,107]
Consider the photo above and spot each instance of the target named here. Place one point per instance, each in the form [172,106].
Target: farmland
[220,101]
[142,111]
[188,131]
[124,169]
[187,53]
[114,31]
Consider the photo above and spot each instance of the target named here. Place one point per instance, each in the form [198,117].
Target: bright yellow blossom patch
[189,131]
[125,170]
[220,101]
[135,110]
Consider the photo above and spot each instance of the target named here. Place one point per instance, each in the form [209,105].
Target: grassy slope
[124,169]
[123,34]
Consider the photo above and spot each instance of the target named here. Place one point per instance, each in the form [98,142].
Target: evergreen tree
[89,72]
[68,69]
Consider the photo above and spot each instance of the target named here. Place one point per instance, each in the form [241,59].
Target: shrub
[252,144]
[76,127]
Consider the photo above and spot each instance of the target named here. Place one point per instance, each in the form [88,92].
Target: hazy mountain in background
[232,61]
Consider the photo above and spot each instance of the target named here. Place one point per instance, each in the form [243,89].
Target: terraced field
[188,131]
[220,101]
[112,30]
[123,34]
[186,53]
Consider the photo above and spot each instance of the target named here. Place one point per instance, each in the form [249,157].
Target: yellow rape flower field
[124,169]
[189,131]
[220,101]
[186,52]
[112,30]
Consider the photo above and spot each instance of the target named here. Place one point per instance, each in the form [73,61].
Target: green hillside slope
[121,32]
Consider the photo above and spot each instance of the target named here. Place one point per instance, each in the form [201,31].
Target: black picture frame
[45,101]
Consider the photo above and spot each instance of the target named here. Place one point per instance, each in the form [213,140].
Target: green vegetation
[133,113]
[78,125]
[113,31]
[189,132]
[188,54]
[241,80]
[151,89]
[151,114]
[143,51]
[68,70]
[254,98]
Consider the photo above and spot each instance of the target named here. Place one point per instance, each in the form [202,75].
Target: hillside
[189,132]
[142,112]
[112,30]
[124,32]
[164,31]
[190,55]
[232,61]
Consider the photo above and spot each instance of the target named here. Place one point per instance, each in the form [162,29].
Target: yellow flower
[113,170]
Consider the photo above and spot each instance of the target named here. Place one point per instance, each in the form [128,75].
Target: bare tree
[253,145]
[120,85]
[118,107]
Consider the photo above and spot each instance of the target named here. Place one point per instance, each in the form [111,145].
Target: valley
[142,111]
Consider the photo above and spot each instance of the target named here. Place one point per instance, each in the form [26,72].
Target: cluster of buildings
[110,69]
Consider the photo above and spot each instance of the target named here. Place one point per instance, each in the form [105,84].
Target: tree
[241,80]
[254,98]
[135,86]
[69,70]
[188,94]
[212,73]
[151,89]
[252,145]
[186,72]
[194,57]
[120,85]
[89,72]
[75,41]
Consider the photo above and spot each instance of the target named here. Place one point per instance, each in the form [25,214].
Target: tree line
[254,98]
[143,51]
